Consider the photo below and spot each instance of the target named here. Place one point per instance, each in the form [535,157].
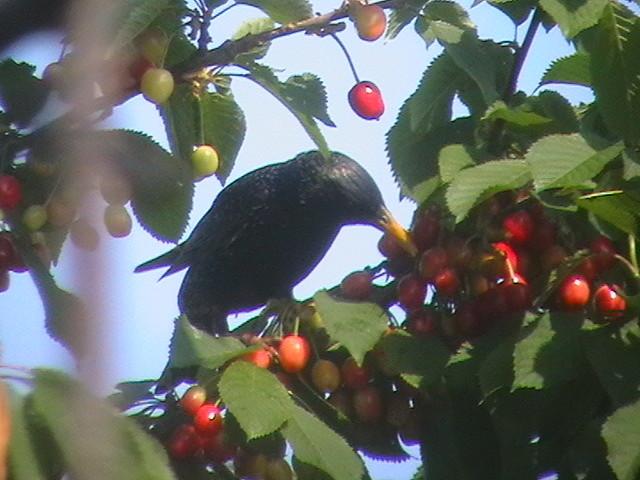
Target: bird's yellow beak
[397,231]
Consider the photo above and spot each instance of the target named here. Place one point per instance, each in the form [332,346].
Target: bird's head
[358,197]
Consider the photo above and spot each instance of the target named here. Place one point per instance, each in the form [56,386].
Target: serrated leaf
[420,362]
[613,46]
[559,161]
[161,183]
[118,448]
[315,444]
[575,17]
[266,78]
[496,370]
[133,17]
[572,70]
[210,118]
[473,185]
[423,191]
[356,325]
[547,352]
[282,11]
[253,27]
[452,159]
[21,93]
[621,433]
[517,10]
[617,209]
[191,346]
[403,15]
[23,457]
[307,94]
[255,397]
[130,392]
[520,115]
[443,20]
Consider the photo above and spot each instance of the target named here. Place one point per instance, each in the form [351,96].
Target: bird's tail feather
[165,260]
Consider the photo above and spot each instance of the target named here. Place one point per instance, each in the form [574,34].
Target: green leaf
[133,17]
[289,94]
[130,392]
[21,94]
[520,115]
[617,208]
[621,433]
[356,325]
[403,15]
[496,370]
[517,10]
[253,27]
[613,46]
[162,186]
[443,20]
[423,191]
[307,94]
[256,398]
[420,362]
[574,17]
[191,346]
[282,11]
[473,185]
[117,448]
[573,70]
[452,159]
[315,444]
[559,161]
[211,118]
[23,461]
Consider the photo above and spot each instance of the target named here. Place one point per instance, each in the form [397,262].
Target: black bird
[267,230]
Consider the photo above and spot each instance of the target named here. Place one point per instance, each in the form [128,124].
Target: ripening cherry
[118,221]
[518,226]
[184,442]
[368,405]
[357,285]
[60,213]
[412,292]
[432,261]
[370,21]
[250,465]
[193,399]
[467,323]
[260,358]
[574,293]
[447,282]
[609,303]
[10,192]
[366,100]
[389,247]
[426,230]
[422,323]
[459,253]
[341,400]
[325,376]
[115,189]
[354,376]
[157,85]
[34,217]
[278,469]
[604,252]
[208,419]
[205,161]
[294,353]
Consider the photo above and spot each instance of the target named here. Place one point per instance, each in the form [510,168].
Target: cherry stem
[633,256]
[349,59]
[630,268]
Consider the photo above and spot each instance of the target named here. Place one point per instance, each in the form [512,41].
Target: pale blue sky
[142,309]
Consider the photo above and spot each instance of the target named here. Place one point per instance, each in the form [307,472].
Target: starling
[267,230]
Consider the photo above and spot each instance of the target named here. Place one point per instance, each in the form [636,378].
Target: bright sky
[142,309]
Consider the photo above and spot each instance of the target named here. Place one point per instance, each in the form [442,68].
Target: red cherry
[390,248]
[193,399]
[10,192]
[294,352]
[357,286]
[604,251]
[260,358]
[491,304]
[354,376]
[609,303]
[208,419]
[552,257]
[432,261]
[447,282]
[217,449]
[508,252]
[588,269]
[366,100]
[184,442]
[574,292]
[467,323]
[544,235]
[368,405]
[518,226]
[426,230]
[517,293]
[412,292]
[422,322]
[459,253]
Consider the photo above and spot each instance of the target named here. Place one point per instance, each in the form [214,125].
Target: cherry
[294,352]
[357,285]
[153,45]
[325,375]
[459,253]
[508,253]
[250,465]
[367,404]
[353,375]
[208,419]
[398,409]
[517,293]
[60,213]
[260,358]
[83,235]
[157,85]
[390,248]
[370,22]
[7,252]
[10,192]
[491,304]
[366,100]
[115,189]
[217,449]
[193,399]
[609,303]
[426,230]
[34,217]
[412,292]
[117,220]
[184,442]
[278,469]
[342,401]
[4,280]
[574,292]
[544,235]
[432,261]
[479,284]
[423,322]
[136,70]
[447,282]
[467,323]
[205,161]
[604,253]
[552,257]
[518,226]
